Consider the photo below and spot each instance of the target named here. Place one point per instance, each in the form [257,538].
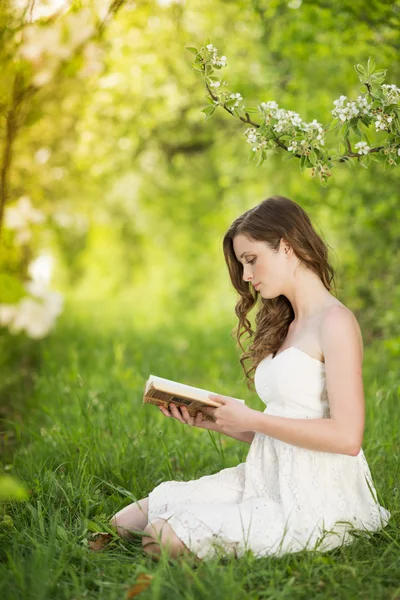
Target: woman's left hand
[231,415]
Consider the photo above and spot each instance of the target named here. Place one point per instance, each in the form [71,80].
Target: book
[161,391]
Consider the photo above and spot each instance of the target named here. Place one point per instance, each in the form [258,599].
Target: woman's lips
[257,285]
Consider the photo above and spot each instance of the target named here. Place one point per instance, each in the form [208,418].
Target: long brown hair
[269,221]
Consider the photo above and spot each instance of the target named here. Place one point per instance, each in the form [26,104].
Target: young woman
[305,482]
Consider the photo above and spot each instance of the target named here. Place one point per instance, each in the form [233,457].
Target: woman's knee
[159,534]
[132,517]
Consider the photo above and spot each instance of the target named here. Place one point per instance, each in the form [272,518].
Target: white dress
[283,498]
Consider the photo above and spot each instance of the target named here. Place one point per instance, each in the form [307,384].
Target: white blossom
[269,106]
[391,93]
[20,216]
[345,110]
[238,97]
[362,147]
[254,138]
[383,122]
[34,314]
[215,60]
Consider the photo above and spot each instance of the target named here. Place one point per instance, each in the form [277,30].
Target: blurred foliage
[11,489]
[139,190]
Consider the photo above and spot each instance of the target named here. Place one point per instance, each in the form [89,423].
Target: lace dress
[283,498]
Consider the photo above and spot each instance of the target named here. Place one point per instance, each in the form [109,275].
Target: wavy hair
[269,221]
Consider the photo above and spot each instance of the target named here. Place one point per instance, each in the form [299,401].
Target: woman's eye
[251,262]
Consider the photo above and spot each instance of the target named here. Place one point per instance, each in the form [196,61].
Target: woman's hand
[184,417]
[231,415]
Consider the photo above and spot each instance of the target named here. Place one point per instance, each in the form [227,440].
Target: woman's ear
[285,246]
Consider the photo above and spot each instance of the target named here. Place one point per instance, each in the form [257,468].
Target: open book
[159,390]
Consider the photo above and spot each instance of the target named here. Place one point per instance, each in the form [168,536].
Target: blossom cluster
[383,121]
[215,60]
[290,123]
[391,93]
[345,110]
[21,217]
[391,152]
[255,139]
[35,313]
[322,170]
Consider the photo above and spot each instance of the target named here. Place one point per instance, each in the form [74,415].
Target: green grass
[86,446]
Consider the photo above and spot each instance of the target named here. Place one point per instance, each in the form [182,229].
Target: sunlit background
[117,188]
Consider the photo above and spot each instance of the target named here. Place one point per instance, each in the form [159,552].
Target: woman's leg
[131,518]
[160,534]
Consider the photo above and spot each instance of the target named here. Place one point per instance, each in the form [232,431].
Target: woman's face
[265,269]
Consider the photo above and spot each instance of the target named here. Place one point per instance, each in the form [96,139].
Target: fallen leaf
[142,583]
[100,541]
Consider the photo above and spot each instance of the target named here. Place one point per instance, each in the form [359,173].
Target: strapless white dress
[283,498]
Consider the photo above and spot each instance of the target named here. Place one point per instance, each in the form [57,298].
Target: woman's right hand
[182,415]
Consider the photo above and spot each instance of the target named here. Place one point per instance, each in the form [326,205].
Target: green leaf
[360,69]
[370,66]
[192,49]
[288,155]
[374,157]
[356,129]
[260,160]
[250,110]
[333,125]
[313,157]
[208,111]
[251,156]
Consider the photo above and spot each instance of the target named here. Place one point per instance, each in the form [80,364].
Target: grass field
[86,446]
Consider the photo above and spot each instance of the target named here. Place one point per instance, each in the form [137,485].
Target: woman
[305,482]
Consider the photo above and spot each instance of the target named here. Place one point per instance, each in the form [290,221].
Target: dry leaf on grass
[100,541]
[142,583]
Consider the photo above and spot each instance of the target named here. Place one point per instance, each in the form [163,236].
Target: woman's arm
[242,436]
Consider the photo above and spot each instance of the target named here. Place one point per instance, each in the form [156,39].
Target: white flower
[391,93]
[251,133]
[215,83]
[383,122]
[345,111]
[362,147]
[22,214]
[238,97]
[33,314]
[269,106]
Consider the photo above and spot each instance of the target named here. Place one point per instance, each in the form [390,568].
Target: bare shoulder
[339,329]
